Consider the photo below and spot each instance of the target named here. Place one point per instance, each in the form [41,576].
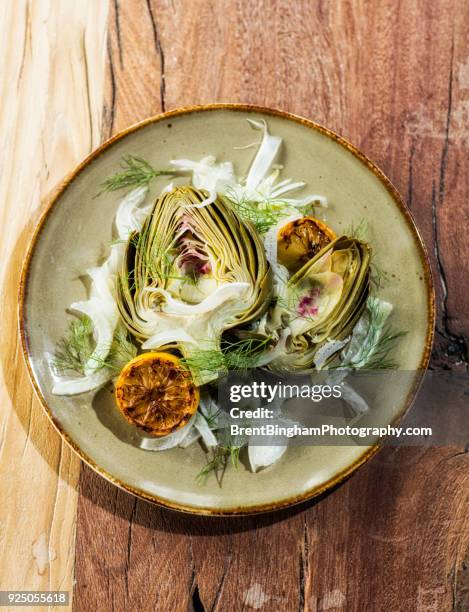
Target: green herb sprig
[136,172]
[380,356]
[239,356]
[260,214]
[221,456]
[378,344]
[77,347]
[358,231]
[378,277]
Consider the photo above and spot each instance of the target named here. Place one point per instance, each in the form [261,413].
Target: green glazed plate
[75,232]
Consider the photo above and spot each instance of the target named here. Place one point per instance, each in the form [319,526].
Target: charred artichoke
[322,301]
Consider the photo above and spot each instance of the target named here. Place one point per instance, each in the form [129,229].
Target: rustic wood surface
[392,77]
[51,90]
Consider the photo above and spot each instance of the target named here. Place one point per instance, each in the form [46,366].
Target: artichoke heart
[192,272]
[323,301]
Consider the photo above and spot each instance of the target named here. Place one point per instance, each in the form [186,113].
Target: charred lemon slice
[156,394]
[300,240]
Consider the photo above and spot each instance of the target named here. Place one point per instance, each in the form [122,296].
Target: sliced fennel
[369,348]
[101,308]
[207,174]
[81,384]
[172,440]
[268,151]
[263,456]
[208,437]
[260,196]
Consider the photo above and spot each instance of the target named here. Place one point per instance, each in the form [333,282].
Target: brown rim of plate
[369,452]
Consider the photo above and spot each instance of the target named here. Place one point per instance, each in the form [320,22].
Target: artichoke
[192,272]
[322,302]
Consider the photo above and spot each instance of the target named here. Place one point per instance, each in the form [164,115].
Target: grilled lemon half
[155,393]
[300,240]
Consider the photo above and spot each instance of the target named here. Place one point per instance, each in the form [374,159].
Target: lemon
[155,393]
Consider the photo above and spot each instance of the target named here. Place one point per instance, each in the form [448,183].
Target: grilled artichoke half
[191,273]
[322,301]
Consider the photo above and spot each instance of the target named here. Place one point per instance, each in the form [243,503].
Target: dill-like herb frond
[136,172]
[380,356]
[76,347]
[212,418]
[379,277]
[358,231]
[379,343]
[237,356]
[219,460]
[122,350]
[262,217]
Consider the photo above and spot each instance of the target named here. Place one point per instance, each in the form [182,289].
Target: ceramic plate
[75,231]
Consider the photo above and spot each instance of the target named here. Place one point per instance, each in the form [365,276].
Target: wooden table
[392,77]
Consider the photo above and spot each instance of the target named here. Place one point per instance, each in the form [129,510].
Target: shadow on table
[99,496]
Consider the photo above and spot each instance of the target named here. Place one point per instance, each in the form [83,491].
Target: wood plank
[393,78]
[51,91]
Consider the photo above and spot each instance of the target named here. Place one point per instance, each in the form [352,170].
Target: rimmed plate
[75,232]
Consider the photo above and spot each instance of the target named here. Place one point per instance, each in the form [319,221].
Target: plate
[76,229]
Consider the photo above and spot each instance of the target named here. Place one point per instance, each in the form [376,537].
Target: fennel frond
[136,172]
[380,340]
[76,347]
[378,277]
[219,460]
[240,356]
[358,231]
[380,356]
[262,217]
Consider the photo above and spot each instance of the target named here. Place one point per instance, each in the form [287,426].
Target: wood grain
[393,77]
[50,115]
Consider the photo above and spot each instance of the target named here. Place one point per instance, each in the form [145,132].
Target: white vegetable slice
[168,337]
[194,326]
[207,174]
[354,399]
[207,434]
[367,333]
[326,350]
[222,294]
[82,384]
[170,441]
[263,456]
[101,308]
[191,437]
[103,315]
[259,186]
[129,216]
[265,156]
